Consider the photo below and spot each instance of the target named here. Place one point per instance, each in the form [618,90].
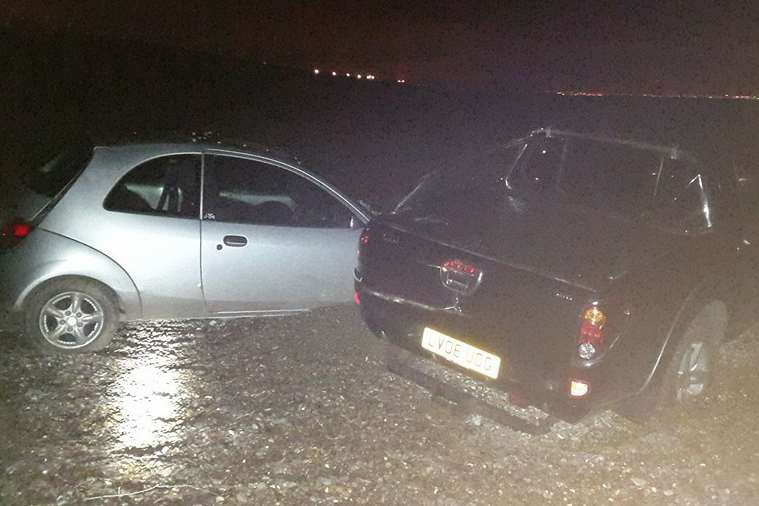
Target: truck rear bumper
[401,324]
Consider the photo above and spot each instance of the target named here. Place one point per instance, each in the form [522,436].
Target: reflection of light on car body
[148,401]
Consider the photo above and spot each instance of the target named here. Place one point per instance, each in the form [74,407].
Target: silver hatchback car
[127,231]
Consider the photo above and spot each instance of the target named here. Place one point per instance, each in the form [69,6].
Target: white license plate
[461,353]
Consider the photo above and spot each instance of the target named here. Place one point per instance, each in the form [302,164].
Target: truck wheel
[71,316]
[691,369]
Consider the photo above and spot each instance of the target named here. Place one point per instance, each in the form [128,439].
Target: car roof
[205,140]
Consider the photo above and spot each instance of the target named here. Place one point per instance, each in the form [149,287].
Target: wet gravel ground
[301,410]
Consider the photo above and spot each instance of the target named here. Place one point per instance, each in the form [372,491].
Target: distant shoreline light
[577,93]
[334,73]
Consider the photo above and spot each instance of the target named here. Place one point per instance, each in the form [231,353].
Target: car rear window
[53,170]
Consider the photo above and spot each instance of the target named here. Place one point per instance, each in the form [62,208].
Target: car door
[151,227]
[272,239]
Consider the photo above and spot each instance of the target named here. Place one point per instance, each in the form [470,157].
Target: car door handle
[236,241]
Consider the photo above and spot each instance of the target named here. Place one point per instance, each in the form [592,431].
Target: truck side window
[681,197]
[747,188]
[538,169]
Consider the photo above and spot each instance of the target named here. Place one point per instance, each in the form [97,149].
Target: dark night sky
[662,47]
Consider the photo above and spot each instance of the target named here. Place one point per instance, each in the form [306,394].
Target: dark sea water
[373,139]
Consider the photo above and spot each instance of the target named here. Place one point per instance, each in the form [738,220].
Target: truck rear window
[443,193]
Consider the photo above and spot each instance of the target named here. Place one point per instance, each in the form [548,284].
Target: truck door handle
[236,241]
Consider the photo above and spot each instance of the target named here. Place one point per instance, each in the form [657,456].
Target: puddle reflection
[149,397]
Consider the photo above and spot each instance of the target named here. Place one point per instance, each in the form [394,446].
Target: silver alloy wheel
[693,371]
[71,320]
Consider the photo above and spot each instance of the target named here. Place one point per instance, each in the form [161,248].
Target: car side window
[165,186]
[240,190]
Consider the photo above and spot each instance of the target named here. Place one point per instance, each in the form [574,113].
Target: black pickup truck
[576,271]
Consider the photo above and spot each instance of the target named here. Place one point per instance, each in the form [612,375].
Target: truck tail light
[591,337]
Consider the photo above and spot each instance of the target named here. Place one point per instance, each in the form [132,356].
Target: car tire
[691,369]
[71,316]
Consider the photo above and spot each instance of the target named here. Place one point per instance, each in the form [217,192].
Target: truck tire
[691,369]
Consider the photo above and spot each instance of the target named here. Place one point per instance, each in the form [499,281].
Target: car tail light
[20,230]
[14,231]
[357,298]
[591,339]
